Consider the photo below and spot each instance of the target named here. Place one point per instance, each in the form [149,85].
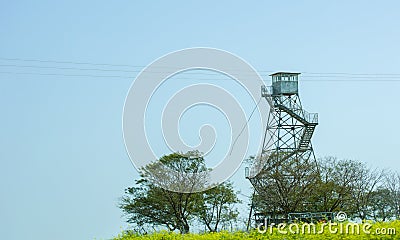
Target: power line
[346,73]
[100,69]
[67,75]
[66,62]
[189,73]
[197,79]
[142,66]
[307,76]
[67,68]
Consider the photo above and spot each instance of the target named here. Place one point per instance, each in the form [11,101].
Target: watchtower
[288,132]
[285,83]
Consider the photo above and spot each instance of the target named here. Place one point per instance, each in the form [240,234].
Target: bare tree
[285,187]
[336,181]
[366,183]
[392,183]
[219,207]
[381,205]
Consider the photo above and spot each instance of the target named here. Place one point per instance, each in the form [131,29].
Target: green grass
[374,229]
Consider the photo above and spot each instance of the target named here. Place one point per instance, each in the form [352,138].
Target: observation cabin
[285,83]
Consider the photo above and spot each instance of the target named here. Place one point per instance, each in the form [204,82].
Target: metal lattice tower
[288,132]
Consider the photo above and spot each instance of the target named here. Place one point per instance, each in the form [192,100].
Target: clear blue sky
[63,160]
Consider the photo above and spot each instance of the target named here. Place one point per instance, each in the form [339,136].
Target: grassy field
[369,230]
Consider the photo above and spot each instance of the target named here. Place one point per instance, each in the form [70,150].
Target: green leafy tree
[149,203]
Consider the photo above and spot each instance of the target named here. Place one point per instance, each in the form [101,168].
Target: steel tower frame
[288,132]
